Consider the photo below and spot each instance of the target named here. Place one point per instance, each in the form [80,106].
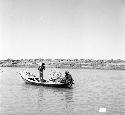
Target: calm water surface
[93,89]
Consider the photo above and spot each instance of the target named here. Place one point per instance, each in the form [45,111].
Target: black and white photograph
[62,57]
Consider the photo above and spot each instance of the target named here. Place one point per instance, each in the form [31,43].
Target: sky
[81,29]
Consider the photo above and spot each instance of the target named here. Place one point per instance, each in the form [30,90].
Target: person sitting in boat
[68,77]
[41,68]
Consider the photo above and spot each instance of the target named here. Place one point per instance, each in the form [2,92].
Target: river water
[93,89]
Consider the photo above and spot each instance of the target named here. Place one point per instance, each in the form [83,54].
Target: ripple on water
[93,89]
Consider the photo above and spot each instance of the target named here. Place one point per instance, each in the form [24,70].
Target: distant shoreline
[66,63]
[67,68]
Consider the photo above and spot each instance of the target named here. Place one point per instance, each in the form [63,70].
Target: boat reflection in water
[54,100]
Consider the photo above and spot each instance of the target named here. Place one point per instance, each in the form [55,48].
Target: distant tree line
[117,64]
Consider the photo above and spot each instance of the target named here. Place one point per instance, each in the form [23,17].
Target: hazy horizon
[77,29]
[61,58]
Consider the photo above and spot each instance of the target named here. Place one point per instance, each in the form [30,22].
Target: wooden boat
[32,79]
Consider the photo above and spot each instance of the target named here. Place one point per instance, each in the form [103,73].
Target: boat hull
[46,83]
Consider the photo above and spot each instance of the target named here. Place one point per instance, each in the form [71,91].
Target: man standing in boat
[41,68]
